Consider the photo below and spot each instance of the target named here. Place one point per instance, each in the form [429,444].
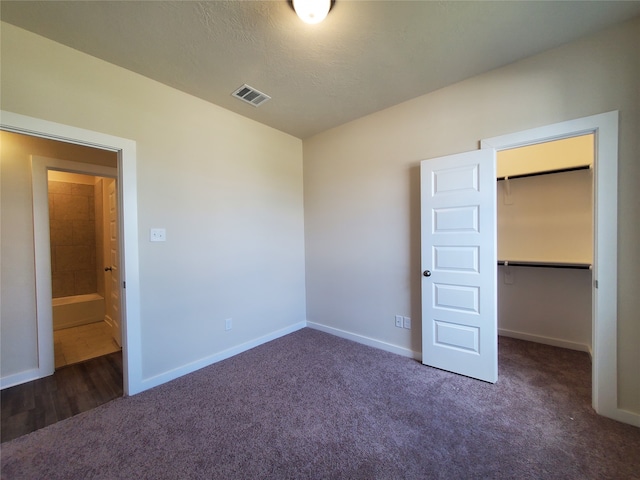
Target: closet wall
[546,219]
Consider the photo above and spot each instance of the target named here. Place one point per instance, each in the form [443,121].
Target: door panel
[456,297]
[459,219]
[451,335]
[459,261]
[456,258]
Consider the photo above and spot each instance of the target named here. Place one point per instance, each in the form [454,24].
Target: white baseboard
[623,416]
[371,342]
[554,342]
[165,377]
[19,378]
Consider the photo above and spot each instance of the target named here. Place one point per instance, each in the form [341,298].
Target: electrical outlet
[399,321]
[406,322]
[228,324]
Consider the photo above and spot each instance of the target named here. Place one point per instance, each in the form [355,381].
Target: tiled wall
[73,239]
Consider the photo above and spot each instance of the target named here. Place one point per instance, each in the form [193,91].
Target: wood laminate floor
[72,389]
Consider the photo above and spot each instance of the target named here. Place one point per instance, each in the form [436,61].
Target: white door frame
[126,150]
[604,309]
[40,167]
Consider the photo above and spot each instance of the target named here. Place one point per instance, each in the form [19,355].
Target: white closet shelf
[540,264]
[546,172]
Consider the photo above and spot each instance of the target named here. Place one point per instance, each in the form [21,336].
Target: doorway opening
[71,267]
[458,204]
[545,219]
[80,386]
[83,241]
[545,242]
[125,152]
[605,257]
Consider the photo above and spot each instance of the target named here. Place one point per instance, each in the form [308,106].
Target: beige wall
[546,305]
[362,215]
[565,153]
[227,189]
[546,218]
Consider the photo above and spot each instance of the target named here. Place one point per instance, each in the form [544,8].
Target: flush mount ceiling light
[312,11]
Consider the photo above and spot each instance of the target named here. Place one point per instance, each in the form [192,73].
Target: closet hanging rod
[546,172]
[578,266]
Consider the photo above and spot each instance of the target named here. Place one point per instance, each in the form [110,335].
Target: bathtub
[77,310]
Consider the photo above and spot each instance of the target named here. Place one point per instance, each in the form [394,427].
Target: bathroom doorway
[31,356]
[84,266]
[28,316]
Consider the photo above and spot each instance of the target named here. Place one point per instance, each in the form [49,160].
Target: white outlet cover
[158,235]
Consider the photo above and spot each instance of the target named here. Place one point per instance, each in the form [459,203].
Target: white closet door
[459,264]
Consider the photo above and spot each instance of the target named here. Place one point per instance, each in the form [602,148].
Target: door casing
[40,166]
[130,276]
[604,309]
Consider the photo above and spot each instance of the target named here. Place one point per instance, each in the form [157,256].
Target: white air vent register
[251,95]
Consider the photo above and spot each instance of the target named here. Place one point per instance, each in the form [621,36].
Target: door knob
[108,269]
[426,273]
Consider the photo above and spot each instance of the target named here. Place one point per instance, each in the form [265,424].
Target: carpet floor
[313,406]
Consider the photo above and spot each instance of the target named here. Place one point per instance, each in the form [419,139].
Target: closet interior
[545,242]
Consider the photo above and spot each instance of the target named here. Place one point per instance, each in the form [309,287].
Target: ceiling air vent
[251,95]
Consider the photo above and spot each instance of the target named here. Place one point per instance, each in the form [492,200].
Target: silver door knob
[426,273]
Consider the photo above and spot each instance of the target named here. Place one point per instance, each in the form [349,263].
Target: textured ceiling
[366,56]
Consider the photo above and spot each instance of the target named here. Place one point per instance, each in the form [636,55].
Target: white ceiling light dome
[312,11]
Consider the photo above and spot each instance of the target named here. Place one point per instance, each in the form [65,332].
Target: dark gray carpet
[310,405]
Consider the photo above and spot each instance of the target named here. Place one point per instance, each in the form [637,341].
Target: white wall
[227,189]
[362,215]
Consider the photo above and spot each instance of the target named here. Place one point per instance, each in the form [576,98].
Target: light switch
[157,235]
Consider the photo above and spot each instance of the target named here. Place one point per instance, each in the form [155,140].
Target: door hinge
[595,283]
[124,284]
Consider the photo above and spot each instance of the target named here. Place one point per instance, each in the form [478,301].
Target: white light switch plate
[157,235]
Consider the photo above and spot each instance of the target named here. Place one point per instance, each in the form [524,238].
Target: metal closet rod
[579,266]
[546,172]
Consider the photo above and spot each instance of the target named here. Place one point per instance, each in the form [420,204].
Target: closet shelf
[515,263]
[546,172]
